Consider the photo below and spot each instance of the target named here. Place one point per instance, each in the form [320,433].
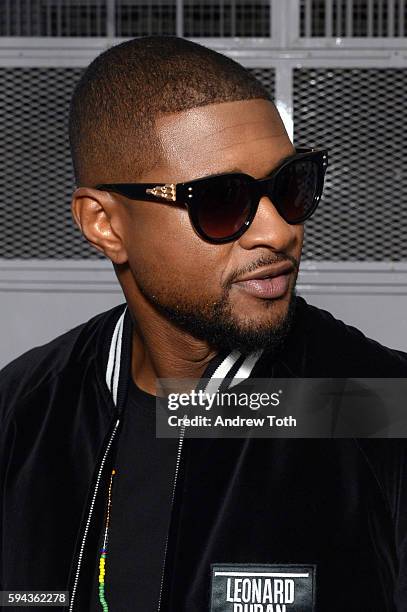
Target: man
[162,131]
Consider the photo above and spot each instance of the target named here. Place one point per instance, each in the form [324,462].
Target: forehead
[247,134]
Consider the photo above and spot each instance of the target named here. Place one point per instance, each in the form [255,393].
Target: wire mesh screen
[353,18]
[53,17]
[36,181]
[266,76]
[359,115]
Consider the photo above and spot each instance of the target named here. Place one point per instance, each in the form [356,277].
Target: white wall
[42,299]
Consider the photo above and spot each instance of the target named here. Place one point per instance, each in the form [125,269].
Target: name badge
[262,588]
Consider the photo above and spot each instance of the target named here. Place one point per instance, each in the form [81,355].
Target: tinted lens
[295,189]
[224,207]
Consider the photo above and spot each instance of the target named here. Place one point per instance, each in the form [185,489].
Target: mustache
[261,263]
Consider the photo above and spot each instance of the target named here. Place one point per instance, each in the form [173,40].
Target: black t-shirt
[140,510]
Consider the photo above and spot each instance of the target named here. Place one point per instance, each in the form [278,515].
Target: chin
[260,309]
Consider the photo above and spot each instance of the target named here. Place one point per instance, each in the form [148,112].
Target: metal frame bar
[370,18]
[349,17]
[402,23]
[307,21]
[328,18]
[179,18]
[48,27]
[27,44]
[18,12]
[380,17]
[233,17]
[284,96]
[7,16]
[338,18]
[356,42]
[110,18]
[390,18]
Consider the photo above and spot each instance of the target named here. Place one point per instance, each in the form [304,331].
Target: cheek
[163,246]
[299,229]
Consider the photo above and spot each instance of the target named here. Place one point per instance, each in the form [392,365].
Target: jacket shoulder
[41,364]
[341,349]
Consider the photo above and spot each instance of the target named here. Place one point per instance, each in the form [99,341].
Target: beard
[215,323]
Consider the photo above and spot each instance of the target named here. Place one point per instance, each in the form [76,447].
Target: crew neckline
[139,394]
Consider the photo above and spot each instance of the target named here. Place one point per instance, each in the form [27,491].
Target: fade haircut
[125,89]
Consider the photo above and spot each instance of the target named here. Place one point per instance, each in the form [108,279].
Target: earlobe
[97,216]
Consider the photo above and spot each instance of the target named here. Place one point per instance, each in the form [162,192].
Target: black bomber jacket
[257,525]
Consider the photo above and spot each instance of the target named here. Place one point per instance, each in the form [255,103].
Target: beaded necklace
[103,551]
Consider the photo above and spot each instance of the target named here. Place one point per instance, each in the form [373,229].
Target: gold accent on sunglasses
[167,191]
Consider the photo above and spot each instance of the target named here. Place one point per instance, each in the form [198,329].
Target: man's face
[194,283]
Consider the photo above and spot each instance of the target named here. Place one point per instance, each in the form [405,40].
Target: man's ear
[98,217]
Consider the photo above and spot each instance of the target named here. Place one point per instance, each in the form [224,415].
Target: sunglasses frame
[187,194]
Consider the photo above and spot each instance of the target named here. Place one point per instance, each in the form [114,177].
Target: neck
[160,350]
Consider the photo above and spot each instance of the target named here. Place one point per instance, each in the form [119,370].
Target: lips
[269,283]
[267,272]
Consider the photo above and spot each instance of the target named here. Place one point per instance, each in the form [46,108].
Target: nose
[269,229]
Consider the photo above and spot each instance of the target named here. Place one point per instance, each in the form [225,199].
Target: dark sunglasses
[222,207]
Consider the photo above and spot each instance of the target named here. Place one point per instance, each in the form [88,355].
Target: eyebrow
[232,170]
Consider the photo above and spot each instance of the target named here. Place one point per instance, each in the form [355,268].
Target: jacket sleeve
[15,382]
[387,459]
[6,440]
[400,521]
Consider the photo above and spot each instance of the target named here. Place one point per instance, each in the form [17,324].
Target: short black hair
[126,88]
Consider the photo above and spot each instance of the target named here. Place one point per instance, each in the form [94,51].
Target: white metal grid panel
[353,18]
[124,18]
[53,18]
[227,18]
[359,115]
[143,18]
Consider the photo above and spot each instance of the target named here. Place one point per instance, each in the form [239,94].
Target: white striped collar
[225,366]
